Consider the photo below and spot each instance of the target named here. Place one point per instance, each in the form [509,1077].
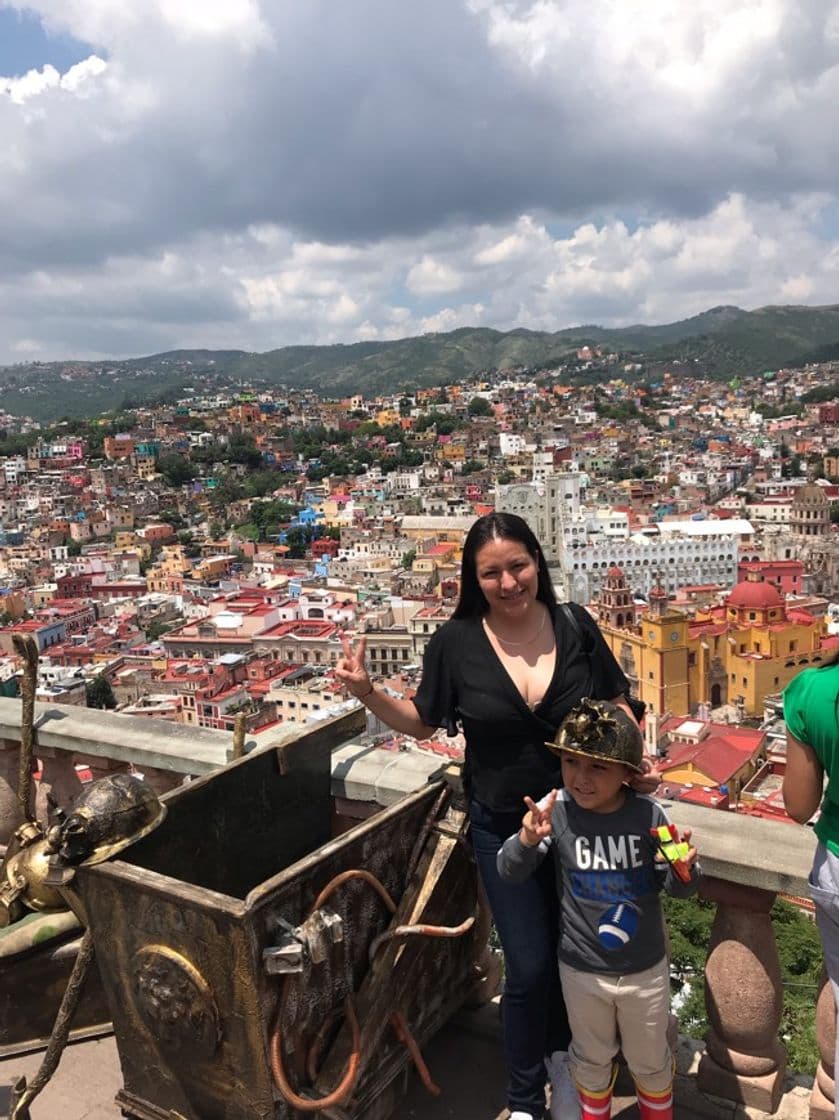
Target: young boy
[612,954]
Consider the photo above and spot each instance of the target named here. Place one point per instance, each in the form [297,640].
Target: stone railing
[746,863]
[66,736]
[164,753]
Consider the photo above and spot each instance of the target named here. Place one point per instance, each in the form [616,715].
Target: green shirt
[812,717]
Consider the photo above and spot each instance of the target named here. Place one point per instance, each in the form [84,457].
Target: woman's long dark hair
[498,527]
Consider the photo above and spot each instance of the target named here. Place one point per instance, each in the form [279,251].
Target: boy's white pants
[611,1013]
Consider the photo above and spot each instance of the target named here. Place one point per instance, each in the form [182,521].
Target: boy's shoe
[565,1101]
[522,1115]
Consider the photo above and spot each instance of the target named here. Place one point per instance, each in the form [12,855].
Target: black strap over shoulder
[637,707]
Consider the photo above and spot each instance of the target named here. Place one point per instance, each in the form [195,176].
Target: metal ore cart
[257,969]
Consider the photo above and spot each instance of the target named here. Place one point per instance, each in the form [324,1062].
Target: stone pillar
[59,779]
[10,816]
[744,1060]
[822,1106]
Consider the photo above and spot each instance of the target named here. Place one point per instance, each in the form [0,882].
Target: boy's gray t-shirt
[608,881]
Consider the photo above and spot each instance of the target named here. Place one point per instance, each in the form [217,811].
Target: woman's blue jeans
[526,917]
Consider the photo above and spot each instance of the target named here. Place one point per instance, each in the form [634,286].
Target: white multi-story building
[511,443]
[543,466]
[14,468]
[403,482]
[673,553]
[582,545]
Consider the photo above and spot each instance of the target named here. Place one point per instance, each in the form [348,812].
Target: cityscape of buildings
[200,561]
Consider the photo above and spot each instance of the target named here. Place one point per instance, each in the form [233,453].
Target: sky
[252,174]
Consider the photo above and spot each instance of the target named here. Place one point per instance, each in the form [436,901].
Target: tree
[99,694]
[241,448]
[298,539]
[176,469]
[153,631]
[479,406]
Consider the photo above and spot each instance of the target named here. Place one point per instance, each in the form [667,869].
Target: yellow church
[736,653]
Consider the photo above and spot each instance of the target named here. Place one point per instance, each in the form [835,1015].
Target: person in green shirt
[811,711]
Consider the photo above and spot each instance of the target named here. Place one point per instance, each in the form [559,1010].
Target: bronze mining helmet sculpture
[600,729]
[109,815]
[23,876]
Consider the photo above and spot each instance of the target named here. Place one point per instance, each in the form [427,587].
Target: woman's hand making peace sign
[351,670]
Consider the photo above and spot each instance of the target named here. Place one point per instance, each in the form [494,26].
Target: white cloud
[235,291]
[259,172]
[431,277]
[36,82]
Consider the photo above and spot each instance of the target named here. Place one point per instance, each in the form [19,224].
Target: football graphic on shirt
[617,926]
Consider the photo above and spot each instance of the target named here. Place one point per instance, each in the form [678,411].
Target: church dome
[754,595]
[615,574]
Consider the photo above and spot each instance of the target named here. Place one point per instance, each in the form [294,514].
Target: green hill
[718,343]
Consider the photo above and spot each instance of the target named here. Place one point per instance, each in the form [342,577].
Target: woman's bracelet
[369,692]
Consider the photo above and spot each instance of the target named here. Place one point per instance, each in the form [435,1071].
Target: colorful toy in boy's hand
[674,850]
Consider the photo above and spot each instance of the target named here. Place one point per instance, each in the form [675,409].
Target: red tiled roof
[719,756]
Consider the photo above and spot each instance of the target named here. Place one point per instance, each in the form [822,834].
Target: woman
[508,666]
[811,711]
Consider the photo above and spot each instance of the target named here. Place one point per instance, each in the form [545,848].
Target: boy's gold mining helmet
[602,730]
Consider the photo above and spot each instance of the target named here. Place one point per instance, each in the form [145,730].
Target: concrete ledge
[361,772]
[135,739]
[771,855]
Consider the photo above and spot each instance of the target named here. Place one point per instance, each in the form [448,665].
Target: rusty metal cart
[257,969]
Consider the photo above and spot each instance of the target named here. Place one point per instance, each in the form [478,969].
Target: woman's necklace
[516,645]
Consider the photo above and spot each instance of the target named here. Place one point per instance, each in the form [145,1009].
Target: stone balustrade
[746,863]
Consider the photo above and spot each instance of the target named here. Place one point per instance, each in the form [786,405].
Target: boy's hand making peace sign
[536,824]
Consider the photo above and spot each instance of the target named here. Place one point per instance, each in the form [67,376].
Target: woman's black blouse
[463,681]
